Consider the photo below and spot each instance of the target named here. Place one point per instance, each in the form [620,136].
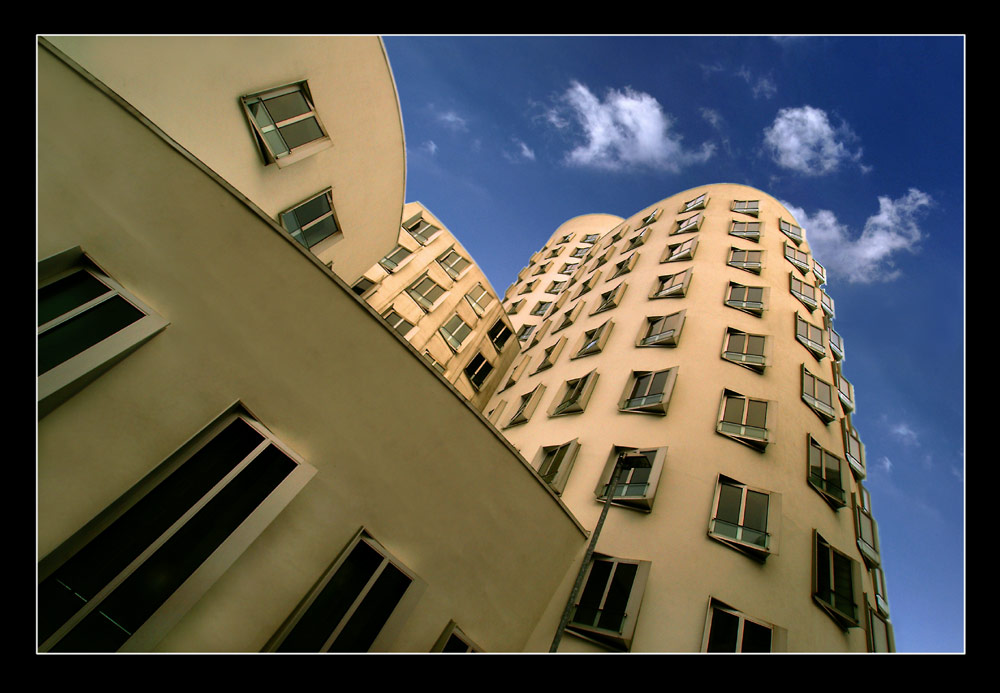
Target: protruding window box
[746,420]
[818,394]
[854,449]
[744,349]
[826,474]
[661,330]
[810,336]
[827,303]
[636,488]
[745,518]
[749,299]
[649,392]
[806,293]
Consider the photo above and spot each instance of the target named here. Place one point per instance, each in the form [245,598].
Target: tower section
[696,336]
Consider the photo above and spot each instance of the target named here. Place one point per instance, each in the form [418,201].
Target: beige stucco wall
[688,567]
[255,318]
[190,87]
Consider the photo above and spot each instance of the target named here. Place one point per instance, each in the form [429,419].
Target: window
[454,640]
[745,349]
[826,474]
[397,322]
[391,261]
[454,332]
[791,230]
[555,287]
[649,391]
[569,268]
[454,264]
[697,203]
[493,415]
[539,334]
[553,253]
[362,286]
[479,298]
[516,371]
[819,271]
[810,336]
[565,239]
[550,355]
[541,308]
[440,367]
[554,463]
[608,606]
[827,303]
[806,293]
[423,231]
[689,225]
[881,596]
[285,124]
[636,487]
[672,285]
[579,252]
[594,340]
[625,266]
[844,389]
[880,637]
[749,299]
[744,419]
[818,394]
[350,605]
[866,529]
[650,218]
[526,407]
[312,220]
[87,322]
[636,240]
[515,306]
[854,449]
[745,518]
[499,334]
[589,284]
[611,299]
[542,269]
[836,583]
[797,257]
[751,207]
[478,370]
[590,238]
[681,251]
[524,331]
[749,260]
[836,345]
[575,394]
[662,330]
[166,541]
[749,230]
[604,258]
[426,292]
[570,316]
[730,630]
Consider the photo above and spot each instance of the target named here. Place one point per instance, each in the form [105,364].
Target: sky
[861,138]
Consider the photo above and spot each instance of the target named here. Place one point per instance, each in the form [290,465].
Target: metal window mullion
[354,605]
[95,601]
[92,303]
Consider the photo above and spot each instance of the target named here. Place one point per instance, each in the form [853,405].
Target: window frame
[421,299]
[670,337]
[796,287]
[836,578]
[298,234]
[750,234]
[387,316]
[786,227]
[725,428]
[745,305]
[635,501]
[484,293]
[746,264]
[752,211]
[625,266]
[845,390]
[817,349]
[820,482]
[449,336]
[798,258]
[65,379]
[294,154]
[620,639]
[869,546]
[855,454]
[691,224]
[772,520]
[484,364]
[529,402]
[556,478]
[593,341]
[551,355]
[676,289]
[677,252]
[416,227]
[611,299]
[699,202]
[810,395]
[501,335]
[574,395]
[777,638]
[658,407]
[743,358]
[450,632]
[459,260]
[873,617]
[389,264]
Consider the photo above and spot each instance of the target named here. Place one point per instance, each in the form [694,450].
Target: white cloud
[524,152]
[906,434]
[430,147]
[802,140]
[712,117]
[869,257]
[453,121]
[760,86]
[627,129]
[885,464]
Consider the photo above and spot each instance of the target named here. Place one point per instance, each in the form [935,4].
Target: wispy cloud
[870,256]
[712,117]
[453,121]
[760,86]
[430,147]
[803,140]
[523,152]
[906,434]
[627,129]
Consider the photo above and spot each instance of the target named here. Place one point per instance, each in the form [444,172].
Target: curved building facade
[696,337]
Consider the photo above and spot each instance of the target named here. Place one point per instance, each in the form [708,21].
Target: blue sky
[862,138]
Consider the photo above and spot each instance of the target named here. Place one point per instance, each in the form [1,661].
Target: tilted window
[397,322]
[515,306]
[729,630]
[866,528]
[744,349]
[636,487]
[594,340]
[745,518]
[607,609]
[454,332]
[391,261]
[611,299]
[542,269]
[524,331]
[551,354]
[453,263]
[854,449]
[672,285]
[516,371]
[880,636]
[638,239]
[590,238]
[555,462]
[748,260]
[478,370]
[881,596]
[806,293]
[681,251]
[285,123]
[797,257]
[749,299]
[526,406]
[499,334]
[625,266]
[312,220]
[810,336]
[697,203]
[453,639]
[579,252]
[362,286]
[167,540]
[844,388]
[836,345]
[662,330]
[569,268]
[819,271]
[836,583]
[818,394]
[574,395]
[422,230]
[749,230]
[689,225]
[570,316]
[826,474]
[426,292]
[541,308]
[751,207]
[650,218]
[827,303]
[649,391]
[87,322]
[350,605]
[529,287]
[589,284]
[745,419]
[479,298]
[556,287]
[791,230]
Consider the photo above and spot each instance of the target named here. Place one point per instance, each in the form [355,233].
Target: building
[225,460]
[293,391]
[696,334]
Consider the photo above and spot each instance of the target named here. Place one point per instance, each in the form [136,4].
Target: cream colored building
[696,333]
[236,453]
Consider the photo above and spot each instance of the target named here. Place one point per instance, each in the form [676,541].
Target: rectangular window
[844,389]
[579,252]
[697,203]
[362,286]
[311,221]
[749,230]
[636,240]
[499,334]
[625,266]
[827,304]
[649,391]
[751,207]
[594,340]
[454,332]
[555,287]
[526,407]
[672,285]
[611,299]
[681,251]
[397,322]
[551,354]
[819,271]
[744,419]
[866,529]
[836,583]
[745,518]
[515,306]
[454,640]
[285,123]
[636,487]
[881,596]
[394,259]
[569,268]
[836,345]
[524,331]
[650,218]
[810,336]
[818,394]
[880,637]
[453,263]
[590,238]
[589,284]
[542,269]
[575,395]
[748,260]
[478,370]
[423,231]
[440,367]
[826,474]
[479,298]
[350,605]
[608,606]
[166,542]
[87,322]
[426,292]
[854,449]
[662,330]
[554,463]
[749,299]
[745,349]
[791,230]
[689,225]
[541,308]
[806,293]
[798,258]
[730,630]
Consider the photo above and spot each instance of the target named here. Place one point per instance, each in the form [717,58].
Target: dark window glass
[374,610]
[756,413]
[301,132]
[756,638]
[286,106]
[455,644]
[725,626]
[59,298]
[79,333]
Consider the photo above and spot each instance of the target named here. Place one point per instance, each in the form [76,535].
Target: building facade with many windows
[697,334]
